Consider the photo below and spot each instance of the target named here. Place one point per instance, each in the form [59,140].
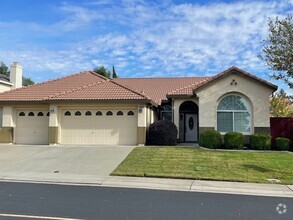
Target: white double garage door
[79,127]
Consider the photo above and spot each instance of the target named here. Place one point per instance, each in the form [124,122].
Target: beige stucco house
[86,108]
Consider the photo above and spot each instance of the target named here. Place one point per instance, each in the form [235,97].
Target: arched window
[88,113]
[67,113]
[233,114]
[21,114]
[99,113]
[77,113]
[31,114]
[48,114]
[40,114]
[109,113]
[130,113]
[119,113]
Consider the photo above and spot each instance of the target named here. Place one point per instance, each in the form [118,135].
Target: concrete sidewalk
[275,190]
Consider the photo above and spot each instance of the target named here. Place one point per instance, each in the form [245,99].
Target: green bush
[282,143]
[234,140]
[162,133]
[210,139]
[260,142]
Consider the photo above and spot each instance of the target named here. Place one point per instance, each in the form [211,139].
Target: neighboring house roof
[82,86]
[4,78]
[91,86]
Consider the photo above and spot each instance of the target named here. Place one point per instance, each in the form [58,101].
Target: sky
[141,38]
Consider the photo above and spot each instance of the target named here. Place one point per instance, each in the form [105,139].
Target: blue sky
[141,38]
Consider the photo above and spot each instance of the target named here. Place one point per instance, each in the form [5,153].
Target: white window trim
[249,111]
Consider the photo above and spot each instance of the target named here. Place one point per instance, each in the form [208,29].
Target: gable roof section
[236,70]
[158,88]
[189,90]
[82,86]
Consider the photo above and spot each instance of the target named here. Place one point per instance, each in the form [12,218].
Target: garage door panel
[101,129]
[32,129]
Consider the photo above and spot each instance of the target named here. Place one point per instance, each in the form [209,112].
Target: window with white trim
[166,113]
[233,114]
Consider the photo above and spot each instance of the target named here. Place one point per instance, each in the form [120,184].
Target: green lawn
[190,163]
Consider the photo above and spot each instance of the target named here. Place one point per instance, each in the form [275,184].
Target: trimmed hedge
[210,139]
[162,132]
[260,142]
[282,143]
[233,140]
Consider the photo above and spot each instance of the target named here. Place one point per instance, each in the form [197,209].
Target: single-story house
[87,108]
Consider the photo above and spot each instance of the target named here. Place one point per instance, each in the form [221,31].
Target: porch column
[141,124]
[53,125]
[176,106]
[6,132]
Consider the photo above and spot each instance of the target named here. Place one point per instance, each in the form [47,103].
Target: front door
[191,127]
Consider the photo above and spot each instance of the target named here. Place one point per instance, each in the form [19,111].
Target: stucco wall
[4,87]
[255,92]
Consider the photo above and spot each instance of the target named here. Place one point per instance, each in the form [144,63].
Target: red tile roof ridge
[79,88]
[190,85]
[48,81]
[131,89]
[176,77]
[230,70]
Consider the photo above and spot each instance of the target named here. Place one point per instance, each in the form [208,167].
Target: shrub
[260,142]
[282,143]
[162,133]
[234,140]
[210,139]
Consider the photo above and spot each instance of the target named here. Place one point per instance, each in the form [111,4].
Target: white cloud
[176,39]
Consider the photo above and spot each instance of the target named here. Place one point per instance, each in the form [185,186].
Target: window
[40,114]
[109,113]
[233,114]
[67,113]
[166,113]
[99,113]
[21,114]
[130,113]
[88,113]
[48,114]
[119,113]
[31,114]
[77,113]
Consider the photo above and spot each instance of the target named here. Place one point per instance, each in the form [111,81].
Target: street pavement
[64,202]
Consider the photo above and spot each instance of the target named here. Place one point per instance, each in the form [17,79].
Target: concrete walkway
[92,166]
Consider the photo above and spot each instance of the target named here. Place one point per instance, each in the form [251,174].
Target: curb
[272,190]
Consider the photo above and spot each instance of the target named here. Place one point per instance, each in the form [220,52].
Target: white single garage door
[32,127]
[99,127]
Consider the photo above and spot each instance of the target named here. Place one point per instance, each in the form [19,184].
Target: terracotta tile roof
[82,86]
[91,86]
[158,88]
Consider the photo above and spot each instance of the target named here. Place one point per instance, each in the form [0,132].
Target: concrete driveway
[38,161]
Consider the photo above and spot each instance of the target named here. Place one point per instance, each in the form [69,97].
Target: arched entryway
[188,122]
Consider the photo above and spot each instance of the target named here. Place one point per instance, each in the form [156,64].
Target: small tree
[102,71]
[4,69]
[114,75]
[278,49]
[281,106]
